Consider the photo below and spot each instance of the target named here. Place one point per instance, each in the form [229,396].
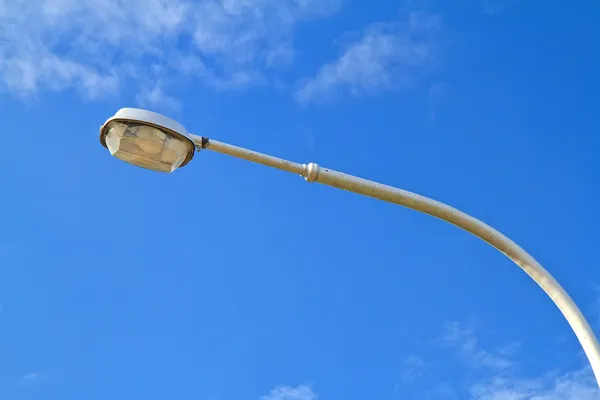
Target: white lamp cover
[147,139]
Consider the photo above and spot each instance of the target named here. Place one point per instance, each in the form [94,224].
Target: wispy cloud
[577,385]
[30,378]
[463,339]
[495,7]
[413,367]
[302,392]
[386,56]
[436,95]
[100,46]
[499,376]
[155,98]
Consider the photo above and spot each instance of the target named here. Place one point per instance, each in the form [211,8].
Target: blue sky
[230,281]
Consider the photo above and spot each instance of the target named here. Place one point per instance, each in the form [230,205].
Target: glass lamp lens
[146,146]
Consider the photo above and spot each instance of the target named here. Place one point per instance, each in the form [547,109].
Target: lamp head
[147,139]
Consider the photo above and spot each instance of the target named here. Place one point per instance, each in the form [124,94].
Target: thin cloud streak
[30,378]
[301,392]
[388,56]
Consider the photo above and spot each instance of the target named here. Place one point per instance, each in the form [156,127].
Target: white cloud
[387,56]
[464,340]
[499,376]
[156,99]
[302,392]
[101,46]
[414,366]
[577,385]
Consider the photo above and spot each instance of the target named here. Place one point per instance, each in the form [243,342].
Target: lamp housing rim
[155,120]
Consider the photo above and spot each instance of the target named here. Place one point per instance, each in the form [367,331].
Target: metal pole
[313,173]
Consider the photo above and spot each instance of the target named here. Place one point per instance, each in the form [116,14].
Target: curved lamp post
[155,142]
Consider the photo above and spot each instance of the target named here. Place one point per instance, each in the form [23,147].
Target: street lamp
[147,139]
[155,142]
